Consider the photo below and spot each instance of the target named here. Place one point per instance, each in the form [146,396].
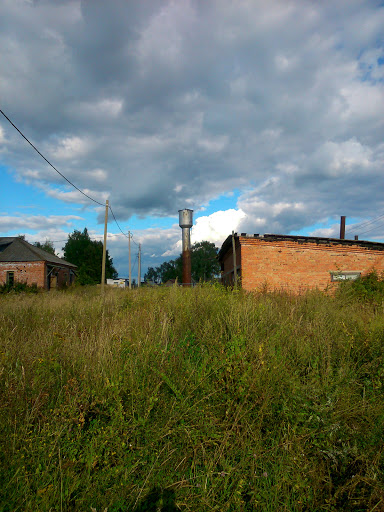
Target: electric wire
[48,162]
[372,229]
[113,215]
[363,224]
[61,174]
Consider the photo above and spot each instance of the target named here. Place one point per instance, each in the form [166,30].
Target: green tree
[204,265]
[87,254]
[152,274]
[46,246]
[170,270]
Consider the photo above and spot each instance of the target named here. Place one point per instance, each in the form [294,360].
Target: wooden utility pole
[129,246]
[234,259]
[139,271]
[104,246]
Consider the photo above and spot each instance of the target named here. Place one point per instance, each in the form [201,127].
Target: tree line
[87,255]
[204,265]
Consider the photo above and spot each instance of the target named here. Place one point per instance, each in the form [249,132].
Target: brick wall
[28,272]
[297,266]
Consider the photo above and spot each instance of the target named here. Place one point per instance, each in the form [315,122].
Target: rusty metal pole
[185,222]
[342,227]
[187,277]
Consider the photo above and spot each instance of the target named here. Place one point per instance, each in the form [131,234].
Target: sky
[260,116]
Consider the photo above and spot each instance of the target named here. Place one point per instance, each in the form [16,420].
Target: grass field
[191,399]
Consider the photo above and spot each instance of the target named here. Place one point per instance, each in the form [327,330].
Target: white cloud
[73,195]
[2,135]
[217,226]
[284,63]
[161,42]
[213,144]
[109,108]
[341,158]
[331,232]
[349,154]
[363,101]
[35,222]
[70,148]
[98,175]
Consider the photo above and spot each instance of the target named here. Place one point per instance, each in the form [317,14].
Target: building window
[345,275]
[10,278]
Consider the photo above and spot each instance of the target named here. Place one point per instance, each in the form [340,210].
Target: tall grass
[191,399]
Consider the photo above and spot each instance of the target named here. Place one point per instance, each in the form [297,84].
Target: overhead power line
[372,229]
[118,225]
[61,174]
[48,162]
[364,224]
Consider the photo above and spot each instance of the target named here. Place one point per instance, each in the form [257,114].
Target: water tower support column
[185,222]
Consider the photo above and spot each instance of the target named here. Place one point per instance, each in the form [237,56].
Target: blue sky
[262,117]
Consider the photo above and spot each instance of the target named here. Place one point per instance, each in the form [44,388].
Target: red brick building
[23,262]
[297,263]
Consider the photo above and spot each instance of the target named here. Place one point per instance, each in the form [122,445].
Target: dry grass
[199,399]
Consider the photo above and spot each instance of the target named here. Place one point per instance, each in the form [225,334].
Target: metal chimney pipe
[342,227]
[186,222]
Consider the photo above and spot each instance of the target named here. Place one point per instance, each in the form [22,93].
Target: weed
[191,399]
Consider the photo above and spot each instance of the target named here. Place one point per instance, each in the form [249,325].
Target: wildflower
[265,474]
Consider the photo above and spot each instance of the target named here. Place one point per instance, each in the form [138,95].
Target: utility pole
[104,246]
[129,245]
[139,272]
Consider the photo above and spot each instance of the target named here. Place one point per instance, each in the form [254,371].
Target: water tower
[186,222]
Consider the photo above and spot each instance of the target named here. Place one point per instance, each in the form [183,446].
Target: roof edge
[268,237]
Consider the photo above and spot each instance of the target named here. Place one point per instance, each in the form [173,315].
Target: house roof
[227,244]
[14,249]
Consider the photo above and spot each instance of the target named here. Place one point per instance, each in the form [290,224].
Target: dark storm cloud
[165,104]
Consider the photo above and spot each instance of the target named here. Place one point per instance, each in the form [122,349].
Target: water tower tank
[186,218]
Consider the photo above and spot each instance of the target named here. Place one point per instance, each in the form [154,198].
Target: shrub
[18,288]
[367,288]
